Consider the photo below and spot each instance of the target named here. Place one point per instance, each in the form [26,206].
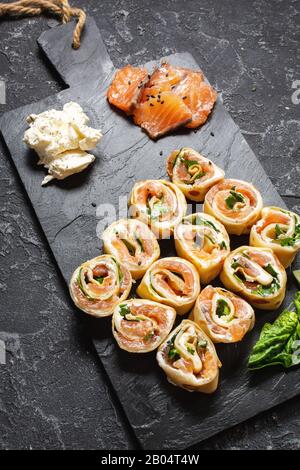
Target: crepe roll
[278,229]
[172,281]
[257,275]
[133,244]
[98,285]
[159,204]
[189,359]
[203,240]
[222,315]
[235,203]
[139,325]
[193,173]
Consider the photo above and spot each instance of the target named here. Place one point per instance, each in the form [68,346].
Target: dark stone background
[53,391]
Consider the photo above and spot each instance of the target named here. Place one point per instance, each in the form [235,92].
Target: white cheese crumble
[61,140]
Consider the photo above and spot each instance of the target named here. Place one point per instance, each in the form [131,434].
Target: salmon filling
[169,98]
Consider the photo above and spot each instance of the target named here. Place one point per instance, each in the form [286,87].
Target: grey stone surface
[66,402]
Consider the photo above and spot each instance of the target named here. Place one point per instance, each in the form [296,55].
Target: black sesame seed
[212,134]
[149,76]
[184,97]
[152,96]
[161,152]
[167,74]
[129,82]
[151,104]
[162,102]
[93,204]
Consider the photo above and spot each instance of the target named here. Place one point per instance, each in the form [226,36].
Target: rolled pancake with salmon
[279,230]
[257,275]
[201,239]
[172,281]
[193,173]
[139,325]
[235,203]
[222,315]
[98,285]
[133,244]
[159,204]
[189,359]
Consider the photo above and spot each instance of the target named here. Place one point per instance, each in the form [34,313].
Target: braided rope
[59,8]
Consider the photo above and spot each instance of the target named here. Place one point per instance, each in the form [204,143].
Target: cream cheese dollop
[61,139]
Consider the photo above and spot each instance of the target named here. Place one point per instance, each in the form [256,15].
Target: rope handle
[59,8]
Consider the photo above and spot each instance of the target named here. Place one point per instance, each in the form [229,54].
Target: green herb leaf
[277,341]
[173,354]
[190,350]
[269,268]
[222,308]
[223,245]
[124,310]
[233,199]
[200,221]
[99,279]
[278,230]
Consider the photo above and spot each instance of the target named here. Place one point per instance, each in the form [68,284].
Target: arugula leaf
[99,279]
[124,310]
[190,350]
[278,230]
[278,342]
[233,199]
[235,264]
[267,290]
[269,268]
[172,352]
[222,308]
[223,245]
[200,221]
[129,246]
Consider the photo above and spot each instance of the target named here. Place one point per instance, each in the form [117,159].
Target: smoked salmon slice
[198,96]
[126,87]
[162,113]
[169,98]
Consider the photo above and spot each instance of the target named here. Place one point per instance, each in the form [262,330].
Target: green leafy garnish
[190,350]
[279,342]
[278,230]
[222,245]
[200,221]
[172,352]
[124,310]
[149,336]
[235,265]
[222,308]
[99,279]
[233,198]
[288,241]
[269,268]
[264,291]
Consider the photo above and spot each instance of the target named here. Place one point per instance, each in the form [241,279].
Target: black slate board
[162,416]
